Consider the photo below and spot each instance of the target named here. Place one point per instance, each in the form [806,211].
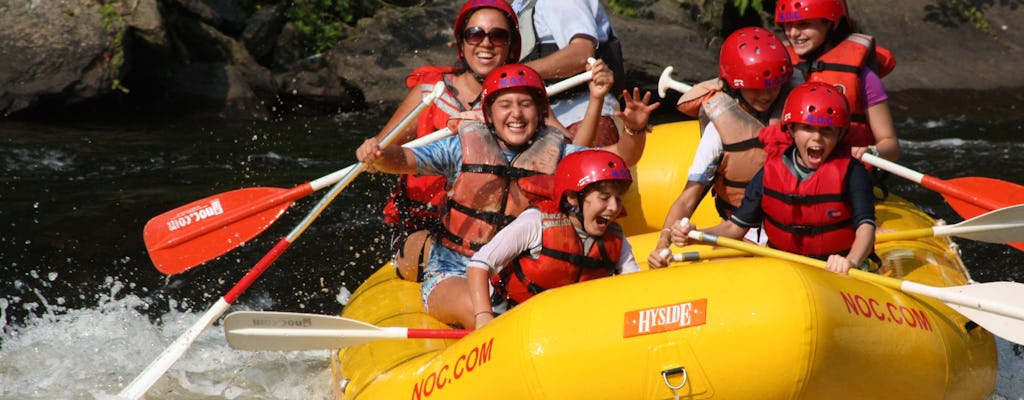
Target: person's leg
[449,302]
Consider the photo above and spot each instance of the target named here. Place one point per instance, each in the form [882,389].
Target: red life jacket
[813,217]
[841,68]
[489,192]
[562,259]
[416,200]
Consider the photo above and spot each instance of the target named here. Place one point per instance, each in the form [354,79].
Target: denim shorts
[444,263]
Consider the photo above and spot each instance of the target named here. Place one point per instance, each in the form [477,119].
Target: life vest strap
[754,142]
[448,235]
[806,229]
[578,260]
[805,199]
[499,170]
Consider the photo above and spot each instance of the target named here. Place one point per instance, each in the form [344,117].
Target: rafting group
[508,189]
[525,196]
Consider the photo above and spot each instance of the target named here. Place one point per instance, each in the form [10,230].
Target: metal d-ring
[674,371]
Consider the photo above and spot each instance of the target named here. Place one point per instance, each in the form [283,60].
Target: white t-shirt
[558,21]
[705,165]
[707,158]
[525,234]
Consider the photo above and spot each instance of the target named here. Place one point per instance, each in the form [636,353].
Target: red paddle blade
[203,230]
[974,196]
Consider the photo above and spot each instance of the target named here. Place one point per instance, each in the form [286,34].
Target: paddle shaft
[556,88]
[138,387]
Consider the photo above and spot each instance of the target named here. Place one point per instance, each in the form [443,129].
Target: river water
[82,309]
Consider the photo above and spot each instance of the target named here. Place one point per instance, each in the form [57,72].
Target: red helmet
[798,10]
[816,103]
[578,170]
[753,58]
[471,7]
[510,76]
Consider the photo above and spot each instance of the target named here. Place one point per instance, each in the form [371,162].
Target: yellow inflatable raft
[737,328]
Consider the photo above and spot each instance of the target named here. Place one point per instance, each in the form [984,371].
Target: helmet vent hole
[812,109]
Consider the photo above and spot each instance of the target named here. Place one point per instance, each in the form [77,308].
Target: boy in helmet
[495,170]
[753,80]
[813,197]
[570,238]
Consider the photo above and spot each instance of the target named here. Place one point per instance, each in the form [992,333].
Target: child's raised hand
[638,109]
[601,80]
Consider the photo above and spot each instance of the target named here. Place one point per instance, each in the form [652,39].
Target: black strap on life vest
[499,170]
[744,145]
[805,198]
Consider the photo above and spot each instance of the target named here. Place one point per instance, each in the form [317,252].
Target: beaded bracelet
[632,132]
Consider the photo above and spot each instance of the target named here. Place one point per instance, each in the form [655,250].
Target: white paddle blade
[996,306]
[282,331]
[1005,225]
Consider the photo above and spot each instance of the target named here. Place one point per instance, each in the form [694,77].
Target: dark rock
[261,32]
[217,88]
[225,15]
[53,49]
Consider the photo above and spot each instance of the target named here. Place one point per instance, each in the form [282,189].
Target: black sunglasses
[475,35]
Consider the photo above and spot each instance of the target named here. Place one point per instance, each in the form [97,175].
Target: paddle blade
[205,229]
[1006,318]
[984,192]
[987,192]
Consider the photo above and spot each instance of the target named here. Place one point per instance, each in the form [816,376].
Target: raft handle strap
[675,371]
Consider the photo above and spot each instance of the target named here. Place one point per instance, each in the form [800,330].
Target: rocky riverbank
[208,56]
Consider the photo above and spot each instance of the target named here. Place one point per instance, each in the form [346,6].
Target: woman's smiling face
[485,56]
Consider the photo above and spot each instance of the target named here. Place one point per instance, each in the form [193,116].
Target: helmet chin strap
[576,211]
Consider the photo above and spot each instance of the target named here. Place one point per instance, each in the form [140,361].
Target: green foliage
[742,5]
[112,22]
[323,22]
[972,11]
[623,7]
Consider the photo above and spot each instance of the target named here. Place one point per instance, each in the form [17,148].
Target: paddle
[555,88]
[995,306]
[969,196]
[1000,226]
[666,82]
[172,353]
[264,330]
